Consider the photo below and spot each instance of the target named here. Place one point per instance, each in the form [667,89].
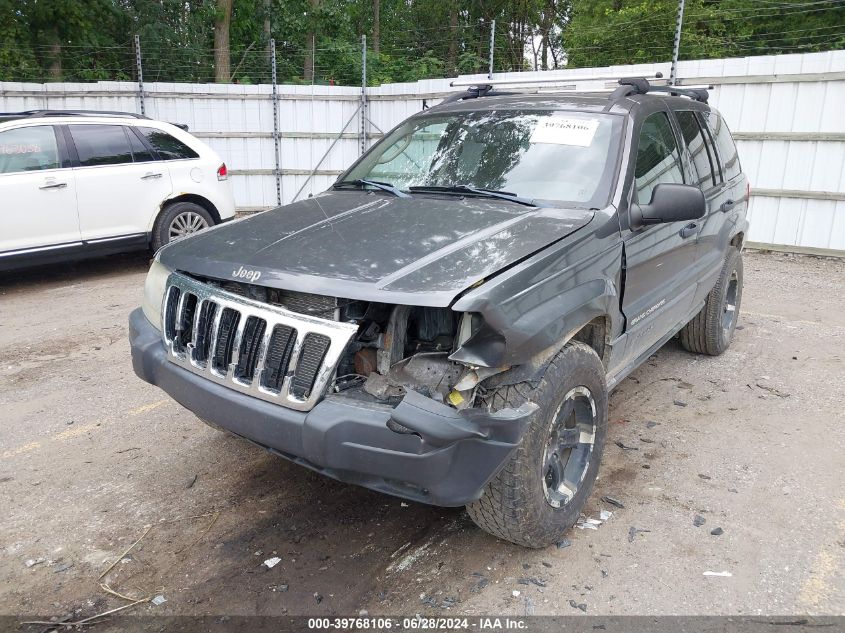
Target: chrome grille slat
[338,335]
[258,373]
[236,347]
[215,331]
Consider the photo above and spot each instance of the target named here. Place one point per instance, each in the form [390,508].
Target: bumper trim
[447,459]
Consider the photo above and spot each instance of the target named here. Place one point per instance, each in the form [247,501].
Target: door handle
[150,176]
[727,205]
[53,185]
[689,230]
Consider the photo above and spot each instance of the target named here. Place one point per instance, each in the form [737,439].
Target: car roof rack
[34,114]
[626,86]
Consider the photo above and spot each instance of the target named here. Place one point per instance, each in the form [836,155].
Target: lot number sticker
[560,131]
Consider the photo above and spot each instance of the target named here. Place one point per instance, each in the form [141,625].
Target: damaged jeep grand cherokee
[444,324]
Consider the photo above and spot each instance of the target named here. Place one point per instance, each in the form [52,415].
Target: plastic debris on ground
[576,605]
[632,533]
[272,562]
[34,561]
[718,574]
[158,600]
[613,502]
[586,523]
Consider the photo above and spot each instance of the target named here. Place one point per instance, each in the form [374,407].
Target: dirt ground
[753,442]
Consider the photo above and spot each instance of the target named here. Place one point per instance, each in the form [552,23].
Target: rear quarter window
[168,147]
[725,147]
[30,148]
[699,152]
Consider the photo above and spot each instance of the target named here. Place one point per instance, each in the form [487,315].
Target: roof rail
[36,114]
[627,86]
[48,113]
[514,81]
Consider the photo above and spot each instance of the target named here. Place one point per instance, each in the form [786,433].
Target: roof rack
[626,86]
[34,114]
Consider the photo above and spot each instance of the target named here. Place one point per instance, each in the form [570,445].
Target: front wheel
[711,330]
[179,220]
[542,488]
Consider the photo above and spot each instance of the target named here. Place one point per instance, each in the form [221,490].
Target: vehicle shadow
[75,271]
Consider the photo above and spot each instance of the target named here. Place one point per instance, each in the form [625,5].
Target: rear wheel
[179,220]
[711,330]
[542,488]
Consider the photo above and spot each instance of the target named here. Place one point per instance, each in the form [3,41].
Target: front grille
[267,351]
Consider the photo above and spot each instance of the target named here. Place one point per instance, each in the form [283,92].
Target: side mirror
[669,203]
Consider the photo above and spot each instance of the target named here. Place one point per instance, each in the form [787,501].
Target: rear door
[120,184]
[730,203]
[37,190]
[658,289]
[704,173]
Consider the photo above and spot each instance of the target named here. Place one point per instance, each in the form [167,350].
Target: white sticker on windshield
[561,131]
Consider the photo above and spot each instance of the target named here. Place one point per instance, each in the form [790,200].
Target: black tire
[163,230]
[711,330]
[516,504]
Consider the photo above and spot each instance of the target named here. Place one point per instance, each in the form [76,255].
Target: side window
[725,147]
[658,159]
[167,146]
[101,144]
[28,149]
[698,149]
[140,153]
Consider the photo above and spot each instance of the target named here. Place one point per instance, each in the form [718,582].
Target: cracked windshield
[553,157]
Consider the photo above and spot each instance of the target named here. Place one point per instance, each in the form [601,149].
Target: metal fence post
[676,48]
[140,70]
[277,171]
[363,94]
[492,44]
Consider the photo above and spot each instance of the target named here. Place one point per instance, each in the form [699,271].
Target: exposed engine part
[365,361]
[430,373]
[394,339]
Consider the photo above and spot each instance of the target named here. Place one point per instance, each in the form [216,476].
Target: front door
[120,190]
[37,196]
[659,258]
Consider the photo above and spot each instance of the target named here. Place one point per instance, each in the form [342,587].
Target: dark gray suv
[444,324]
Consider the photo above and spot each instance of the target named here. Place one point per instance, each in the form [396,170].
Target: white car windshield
[559,157]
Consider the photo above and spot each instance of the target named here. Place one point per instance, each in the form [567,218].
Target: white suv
[80,182]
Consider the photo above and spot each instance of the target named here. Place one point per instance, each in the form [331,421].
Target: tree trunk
[452,59]
[310,44]
[376,25]
[268,27]
[222,20]
[54,54]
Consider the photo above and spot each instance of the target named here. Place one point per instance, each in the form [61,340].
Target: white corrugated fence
[787,113]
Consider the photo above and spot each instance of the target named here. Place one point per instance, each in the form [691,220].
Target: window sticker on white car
[561,131]
[20,149]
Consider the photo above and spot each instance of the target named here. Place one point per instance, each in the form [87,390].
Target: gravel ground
[752,442]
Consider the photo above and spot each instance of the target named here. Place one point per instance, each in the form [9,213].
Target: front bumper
[432,453]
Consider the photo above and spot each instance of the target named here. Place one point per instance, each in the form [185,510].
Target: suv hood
[423,250]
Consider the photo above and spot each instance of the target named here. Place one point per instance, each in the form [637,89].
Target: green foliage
[72,40]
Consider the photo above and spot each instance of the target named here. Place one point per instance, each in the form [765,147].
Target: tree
[222,22]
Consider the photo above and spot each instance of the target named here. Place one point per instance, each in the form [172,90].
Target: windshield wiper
[487,193]
[384,186]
